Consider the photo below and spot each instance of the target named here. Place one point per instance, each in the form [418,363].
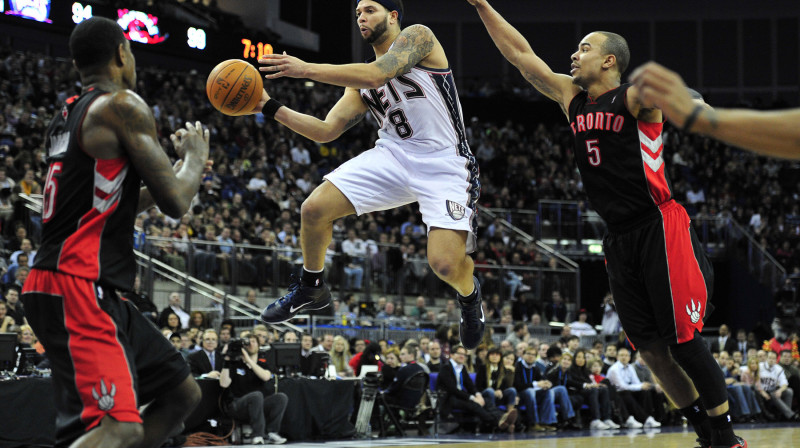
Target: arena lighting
[38,10]
[595,248]
[140,27]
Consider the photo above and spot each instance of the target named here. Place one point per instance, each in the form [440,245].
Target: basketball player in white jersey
[421,156]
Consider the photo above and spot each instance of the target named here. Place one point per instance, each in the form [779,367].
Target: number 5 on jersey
[50,191]
[593,151]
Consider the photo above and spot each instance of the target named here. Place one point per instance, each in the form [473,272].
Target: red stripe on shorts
[102,372]
[689,291]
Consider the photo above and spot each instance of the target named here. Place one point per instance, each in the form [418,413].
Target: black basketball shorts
[660,278]
[106,358]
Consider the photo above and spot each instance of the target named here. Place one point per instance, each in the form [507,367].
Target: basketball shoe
[705,443]
[472,319]
[298,298]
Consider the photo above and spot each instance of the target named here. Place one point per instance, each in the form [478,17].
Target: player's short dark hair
[618,46]
[94,41]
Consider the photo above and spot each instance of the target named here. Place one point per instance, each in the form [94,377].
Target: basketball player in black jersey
[771,133]
[107,359]
[660,278]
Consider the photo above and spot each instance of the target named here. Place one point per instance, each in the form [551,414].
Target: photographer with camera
[246,398]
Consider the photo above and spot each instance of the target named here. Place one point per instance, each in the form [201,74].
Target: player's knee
[442,266]
[312,211]
[657,357]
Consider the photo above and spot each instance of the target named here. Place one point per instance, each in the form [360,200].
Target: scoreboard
[152,32]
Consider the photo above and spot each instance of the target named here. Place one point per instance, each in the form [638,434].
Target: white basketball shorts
[443,182]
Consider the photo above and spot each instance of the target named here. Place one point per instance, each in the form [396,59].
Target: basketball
[234,87]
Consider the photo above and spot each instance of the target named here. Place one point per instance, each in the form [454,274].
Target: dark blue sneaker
[472,319]
[299,298]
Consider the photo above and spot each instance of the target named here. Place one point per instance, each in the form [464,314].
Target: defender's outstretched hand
[283,65]
[664,88]
[191,138]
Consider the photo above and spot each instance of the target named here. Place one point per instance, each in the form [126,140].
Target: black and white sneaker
[298,298]
[472,319]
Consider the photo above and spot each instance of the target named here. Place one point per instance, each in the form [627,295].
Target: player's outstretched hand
[664,88]
[193,138]
[283,65]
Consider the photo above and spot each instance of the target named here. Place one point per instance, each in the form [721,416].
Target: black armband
[687,125]
[270,108]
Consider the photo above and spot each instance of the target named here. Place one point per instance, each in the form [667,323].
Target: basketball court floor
[758,436]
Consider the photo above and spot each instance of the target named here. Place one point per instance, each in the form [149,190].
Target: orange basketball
[234,87]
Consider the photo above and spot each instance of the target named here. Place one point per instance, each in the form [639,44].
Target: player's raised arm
[412,45]
[132,121]
[345,114]
[517,50]
[774,133]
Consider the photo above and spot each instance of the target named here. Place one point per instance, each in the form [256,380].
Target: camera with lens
[235,347]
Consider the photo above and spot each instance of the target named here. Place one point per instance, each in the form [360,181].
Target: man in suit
[207,361]
[741,343]
[724,342]
[462,394]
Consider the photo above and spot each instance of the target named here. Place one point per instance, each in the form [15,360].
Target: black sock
[312,279]
[698,417]
[722,430]
[468,298]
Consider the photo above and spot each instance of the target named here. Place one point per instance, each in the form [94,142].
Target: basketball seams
[218,70]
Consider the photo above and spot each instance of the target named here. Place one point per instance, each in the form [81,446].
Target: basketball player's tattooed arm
[345,114]
[135,129]
[517,50]
[771,133]
[413,45]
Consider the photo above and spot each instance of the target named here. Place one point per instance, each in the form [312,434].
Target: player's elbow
[175,209]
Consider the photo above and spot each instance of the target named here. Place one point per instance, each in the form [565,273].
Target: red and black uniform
[106,358]
[660,278]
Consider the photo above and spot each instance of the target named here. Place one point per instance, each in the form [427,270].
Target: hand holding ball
[234,87]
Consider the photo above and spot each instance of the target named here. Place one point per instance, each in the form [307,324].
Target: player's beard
[378,32]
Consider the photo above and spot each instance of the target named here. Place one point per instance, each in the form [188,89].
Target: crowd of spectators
[262,173]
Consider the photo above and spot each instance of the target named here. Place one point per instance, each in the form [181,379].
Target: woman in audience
[198,320]
[495,383]
[509,362]
[340,356]
[391,358]
[25,336]
[6,321]
[741,393]
[750,378]
[595,394]
[173,323]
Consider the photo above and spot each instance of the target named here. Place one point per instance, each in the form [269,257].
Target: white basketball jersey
[419,111]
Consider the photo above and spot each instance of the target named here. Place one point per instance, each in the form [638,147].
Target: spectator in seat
[724,342]
[462,394]
[247,399]
[175,306]
[409,367]
[435,355]
[622,376]
[534,393]
[495,383]
[340,356]
[14,306]
[582,327]
[594,393]
[776,392]
[792,373]
[207,361]
[556,310]
[520,334]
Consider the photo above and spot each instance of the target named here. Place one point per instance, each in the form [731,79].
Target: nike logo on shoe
[482,318]
[292,308]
